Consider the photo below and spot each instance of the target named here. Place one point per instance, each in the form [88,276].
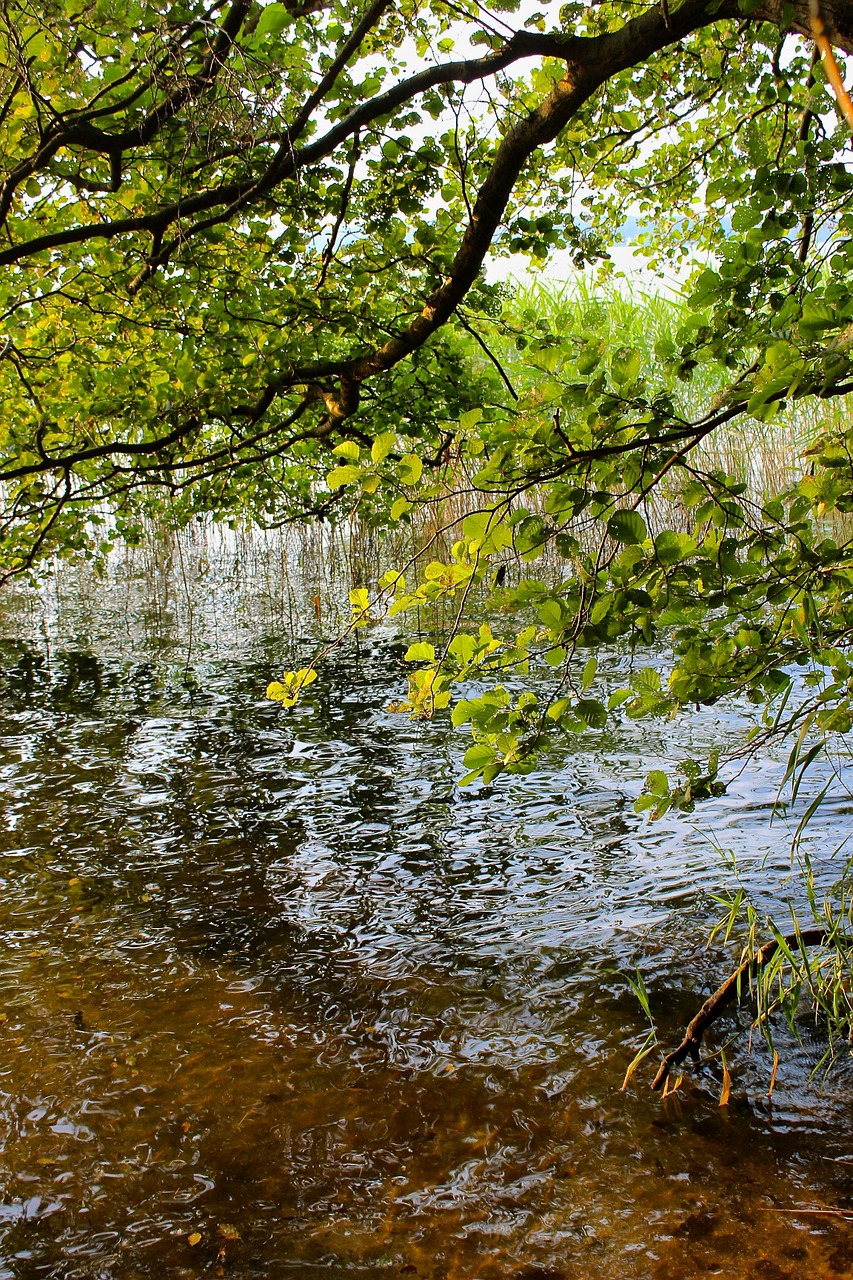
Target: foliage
[243,275]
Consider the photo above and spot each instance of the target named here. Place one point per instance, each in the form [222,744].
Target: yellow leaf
[727,1083]
[637,1059]
[382,446]
[194,1238]
[410,468]
[670,1088]
[773,1074]
[341,476]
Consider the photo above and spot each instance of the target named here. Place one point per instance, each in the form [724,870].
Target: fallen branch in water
[724,995]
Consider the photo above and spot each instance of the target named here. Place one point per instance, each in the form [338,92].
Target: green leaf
[273,20]
[817,317]
[592,713]
[627,527]
[469,419]
[657,783]
[478,756]
[420,652]
[551,614]
[600,609]
[475,526]
[668,547]
[590,357]
[463,647]
[463,711]
[625,365]
[530,536]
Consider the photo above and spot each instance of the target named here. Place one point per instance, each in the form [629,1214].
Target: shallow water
[277,998]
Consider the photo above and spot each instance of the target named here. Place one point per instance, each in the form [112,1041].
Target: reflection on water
[277,998]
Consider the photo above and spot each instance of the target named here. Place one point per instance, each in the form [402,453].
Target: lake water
[277,998]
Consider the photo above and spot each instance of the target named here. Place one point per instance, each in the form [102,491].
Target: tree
[243,263]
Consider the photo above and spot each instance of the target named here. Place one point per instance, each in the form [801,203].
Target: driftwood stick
[724,995]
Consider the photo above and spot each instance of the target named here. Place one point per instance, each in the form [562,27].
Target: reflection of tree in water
[23,669]
[79,677]
[73,676]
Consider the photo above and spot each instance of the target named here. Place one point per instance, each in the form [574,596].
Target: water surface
[276,997]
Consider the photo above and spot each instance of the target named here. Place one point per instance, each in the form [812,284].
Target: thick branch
[68,462]
[590,62]
[234,196]
[837,16]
